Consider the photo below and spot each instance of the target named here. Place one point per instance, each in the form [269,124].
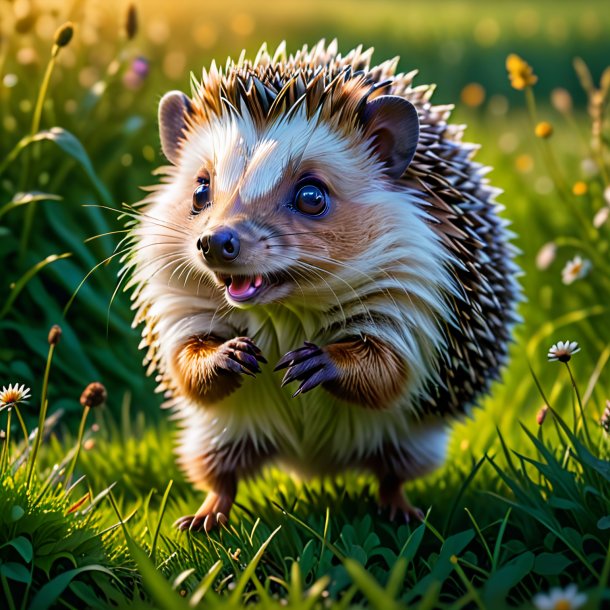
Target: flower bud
[544,130]
[54,334]
[63,34]
[541,415]
[131,22]
[94,395]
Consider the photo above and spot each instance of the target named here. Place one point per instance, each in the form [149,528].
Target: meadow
[88,486]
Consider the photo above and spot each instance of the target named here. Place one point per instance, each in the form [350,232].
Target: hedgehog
[322,274]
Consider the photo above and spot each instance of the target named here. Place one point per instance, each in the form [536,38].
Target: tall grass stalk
[44,403]
[580,406]
[79,442]
[24,429]
[62,38]
[5,459]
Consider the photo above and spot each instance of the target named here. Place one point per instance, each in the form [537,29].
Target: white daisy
[560,599]
[13,395]
[562,351]
[575,269]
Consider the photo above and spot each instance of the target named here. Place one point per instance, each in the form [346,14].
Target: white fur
[402,279]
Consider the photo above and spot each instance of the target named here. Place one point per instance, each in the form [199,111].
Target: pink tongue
[244,287]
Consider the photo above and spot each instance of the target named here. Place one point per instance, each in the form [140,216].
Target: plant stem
[582,411]
[23,427]
[44,403]
[42,93]
[81,433]
[5,448]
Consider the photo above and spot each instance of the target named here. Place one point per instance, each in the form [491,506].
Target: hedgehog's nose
[222,246]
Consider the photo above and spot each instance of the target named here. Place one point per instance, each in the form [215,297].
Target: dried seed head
[94,395]
[64,34]
[131,22]
[54,334]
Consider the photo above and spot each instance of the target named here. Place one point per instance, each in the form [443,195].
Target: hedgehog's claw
[392,496]
[212,514]
[240,355]
[310,365]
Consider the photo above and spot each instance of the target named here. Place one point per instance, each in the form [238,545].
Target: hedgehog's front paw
[212,513]
[310,365]
[239,355]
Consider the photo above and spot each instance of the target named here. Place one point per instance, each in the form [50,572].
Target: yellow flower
[580,188]
[520,72]
[544,130]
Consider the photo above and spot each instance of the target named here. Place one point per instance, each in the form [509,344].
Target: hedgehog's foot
[392,496]
[211,514]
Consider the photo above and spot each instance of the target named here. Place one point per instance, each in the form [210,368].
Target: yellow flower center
[562,604]
[10,397]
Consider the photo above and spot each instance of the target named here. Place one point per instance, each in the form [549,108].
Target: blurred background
[104,89]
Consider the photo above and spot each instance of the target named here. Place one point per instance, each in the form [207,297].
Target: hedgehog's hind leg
[215,509]
[415,456]
[393,497]
[216,470]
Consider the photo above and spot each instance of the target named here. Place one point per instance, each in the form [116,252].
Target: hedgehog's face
[279,212]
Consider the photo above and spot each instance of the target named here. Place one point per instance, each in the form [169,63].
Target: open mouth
[243,288]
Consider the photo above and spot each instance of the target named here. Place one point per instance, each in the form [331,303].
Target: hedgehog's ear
[392,124]
[174,108]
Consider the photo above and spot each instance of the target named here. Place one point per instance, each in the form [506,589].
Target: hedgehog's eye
[201,197]
[312,200]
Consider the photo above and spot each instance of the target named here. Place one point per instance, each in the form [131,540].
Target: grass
[517,509]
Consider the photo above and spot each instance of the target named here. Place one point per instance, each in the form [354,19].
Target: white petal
[542,601]
[579,600]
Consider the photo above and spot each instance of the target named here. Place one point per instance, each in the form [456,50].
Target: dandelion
[563,351]
[543,130]
[546,256]
[575,269]
[580,188]
[520,72]
[13,395]
[560,599]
